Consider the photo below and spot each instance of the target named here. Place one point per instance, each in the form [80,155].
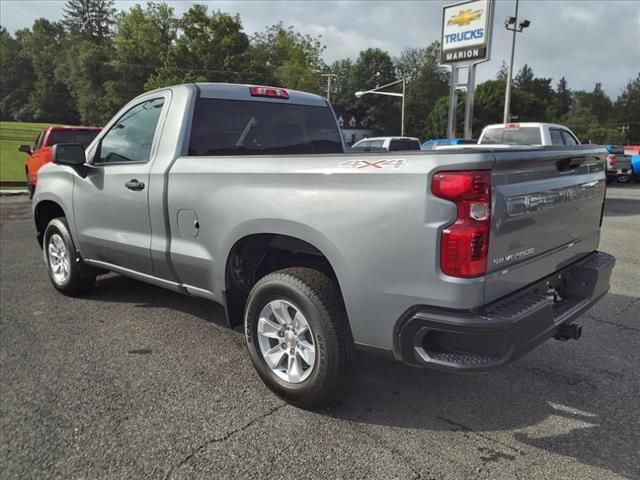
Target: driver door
[111,203]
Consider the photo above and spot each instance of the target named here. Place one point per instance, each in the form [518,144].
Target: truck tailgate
[546,213]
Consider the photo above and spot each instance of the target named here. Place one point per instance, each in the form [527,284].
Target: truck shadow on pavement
[118,289]
[576,400]
[568,399]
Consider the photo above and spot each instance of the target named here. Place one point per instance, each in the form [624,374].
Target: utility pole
[329,77]
[510,24]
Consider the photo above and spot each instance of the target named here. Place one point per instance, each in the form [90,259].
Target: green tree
[374,68]
[292,59]
[210,47]
[85,69]
[489,104]
[438,119]
[141,45]
[532,97]
[427,81]
[49,99]
[342,88]
[525,77]
[503,71]
[89,19]
[562,101]
[627,111]
[16,79]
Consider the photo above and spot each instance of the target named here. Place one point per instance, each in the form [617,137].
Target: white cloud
[574,14]
[343,44]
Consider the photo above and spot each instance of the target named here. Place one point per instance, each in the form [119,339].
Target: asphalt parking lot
[136,382]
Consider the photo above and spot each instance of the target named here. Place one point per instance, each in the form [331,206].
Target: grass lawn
[12,134]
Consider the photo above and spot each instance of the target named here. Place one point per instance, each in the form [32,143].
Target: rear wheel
[65,269]
[623,178]
[299,338]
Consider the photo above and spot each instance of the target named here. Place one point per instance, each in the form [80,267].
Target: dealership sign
[466,32]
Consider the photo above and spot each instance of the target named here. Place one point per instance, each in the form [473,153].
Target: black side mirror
[71,154]
[25,148]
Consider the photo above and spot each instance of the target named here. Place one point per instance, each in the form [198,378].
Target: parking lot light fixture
[378,91]
[510,24]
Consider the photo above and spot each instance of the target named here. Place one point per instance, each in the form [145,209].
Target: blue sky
[586,41]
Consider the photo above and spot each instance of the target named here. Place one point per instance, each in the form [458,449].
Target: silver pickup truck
[454,260]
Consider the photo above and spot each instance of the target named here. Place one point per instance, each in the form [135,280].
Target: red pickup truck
[41,152]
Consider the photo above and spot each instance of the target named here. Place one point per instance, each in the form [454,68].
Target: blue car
[432,144]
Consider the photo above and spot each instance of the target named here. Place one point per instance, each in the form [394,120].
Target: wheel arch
[255,252]
[43,213]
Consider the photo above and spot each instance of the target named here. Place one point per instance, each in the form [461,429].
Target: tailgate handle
[569,163]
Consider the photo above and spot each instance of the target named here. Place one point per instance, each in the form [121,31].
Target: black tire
[318,299]
[80,278]
[624,178]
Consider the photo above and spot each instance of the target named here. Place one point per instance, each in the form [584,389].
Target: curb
[12,192]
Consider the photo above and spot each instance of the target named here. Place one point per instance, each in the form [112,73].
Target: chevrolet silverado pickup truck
[453,260]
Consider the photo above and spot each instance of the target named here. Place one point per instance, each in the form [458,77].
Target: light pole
[510,24]
[329,77]
[376,91]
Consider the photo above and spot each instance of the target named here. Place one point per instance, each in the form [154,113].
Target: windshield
[512,136]
[236,127]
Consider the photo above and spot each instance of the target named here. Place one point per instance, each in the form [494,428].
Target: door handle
[134,185]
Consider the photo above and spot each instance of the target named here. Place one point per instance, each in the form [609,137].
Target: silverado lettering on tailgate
[537,201]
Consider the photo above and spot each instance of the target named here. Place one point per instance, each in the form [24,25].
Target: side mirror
[71,154]
[25,148]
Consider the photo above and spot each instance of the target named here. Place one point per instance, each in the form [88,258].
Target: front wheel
[299,338]
[62,260]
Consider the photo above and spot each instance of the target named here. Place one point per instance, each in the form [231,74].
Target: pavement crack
[394,451]
[628,307]
[488,438]
[621,327]
[225,437]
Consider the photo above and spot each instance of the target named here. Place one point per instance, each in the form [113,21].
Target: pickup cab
[41,151]
[458,261]
[529,133]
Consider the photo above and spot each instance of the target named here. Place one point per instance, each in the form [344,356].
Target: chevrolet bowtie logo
[464,17]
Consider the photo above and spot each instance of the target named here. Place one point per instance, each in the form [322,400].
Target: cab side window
[568,138]
[556,137]
[131,138]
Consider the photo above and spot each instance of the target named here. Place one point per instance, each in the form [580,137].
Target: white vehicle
[530,133]
[390,144]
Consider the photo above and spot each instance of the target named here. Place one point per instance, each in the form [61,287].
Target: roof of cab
[525,124]
[235,91]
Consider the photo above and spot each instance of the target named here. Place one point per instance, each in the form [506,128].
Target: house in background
[353,129]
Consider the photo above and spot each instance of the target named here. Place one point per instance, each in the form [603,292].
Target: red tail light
[464,244]
[275,92]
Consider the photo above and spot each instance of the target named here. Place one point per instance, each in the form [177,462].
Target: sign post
[465,42]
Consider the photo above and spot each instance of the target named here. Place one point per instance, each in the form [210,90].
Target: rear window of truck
[83,137]
[513,136]
[397,145]
[240,127]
